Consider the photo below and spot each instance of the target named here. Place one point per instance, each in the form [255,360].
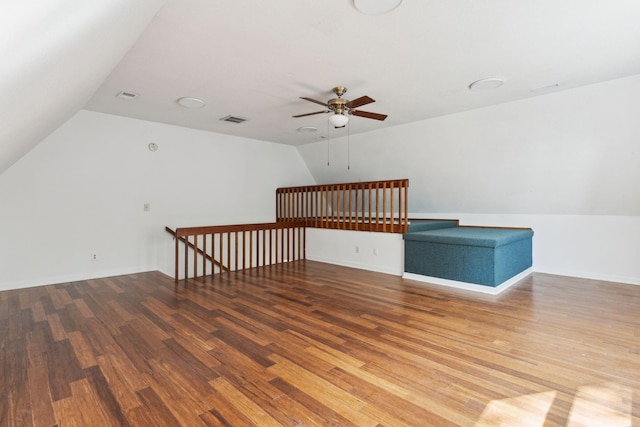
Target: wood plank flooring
[312,344]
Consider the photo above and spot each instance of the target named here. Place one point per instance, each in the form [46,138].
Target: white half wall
[382,252]
[82,191]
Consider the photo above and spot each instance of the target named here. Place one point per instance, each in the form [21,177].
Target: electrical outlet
[94,257]
[375,251]
[357,249]
[147,207]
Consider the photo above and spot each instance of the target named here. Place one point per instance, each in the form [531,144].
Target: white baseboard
[23,284]
[370,267]
[590,276]
[491,290]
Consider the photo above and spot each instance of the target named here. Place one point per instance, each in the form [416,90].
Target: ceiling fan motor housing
[337,105]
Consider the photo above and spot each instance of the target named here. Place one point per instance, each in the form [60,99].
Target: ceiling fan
[341,108]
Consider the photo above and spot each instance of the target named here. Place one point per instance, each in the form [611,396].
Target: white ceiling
[255,58]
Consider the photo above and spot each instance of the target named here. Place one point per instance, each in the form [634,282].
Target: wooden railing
[379,206]
[204,251]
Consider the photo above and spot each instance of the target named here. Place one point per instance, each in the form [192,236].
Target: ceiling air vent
[233,119]
[125,94]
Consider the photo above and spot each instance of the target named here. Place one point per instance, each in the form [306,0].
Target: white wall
[383,252]
[566,164]
[83,189]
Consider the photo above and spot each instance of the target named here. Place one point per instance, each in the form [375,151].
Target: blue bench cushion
[430,224]
[471,236]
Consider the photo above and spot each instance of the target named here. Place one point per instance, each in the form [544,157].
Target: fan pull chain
[349,145]
[328,141]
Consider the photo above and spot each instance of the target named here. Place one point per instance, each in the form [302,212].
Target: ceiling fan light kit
[341,108]
[338,120]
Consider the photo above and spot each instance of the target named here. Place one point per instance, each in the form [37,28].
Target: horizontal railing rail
[220,249]
[380,206]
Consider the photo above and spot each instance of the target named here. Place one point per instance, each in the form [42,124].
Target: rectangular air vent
[233,119]
[125,94]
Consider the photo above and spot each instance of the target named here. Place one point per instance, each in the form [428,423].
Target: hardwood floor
[312,344]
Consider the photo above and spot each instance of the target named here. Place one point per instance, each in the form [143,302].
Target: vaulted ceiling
[255,59]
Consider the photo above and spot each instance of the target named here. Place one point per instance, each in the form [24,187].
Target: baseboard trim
[469,286]
[24,284]
[378,269]
[589,276]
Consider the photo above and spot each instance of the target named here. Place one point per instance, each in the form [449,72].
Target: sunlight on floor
[528,410]
[606,404]
[601,405]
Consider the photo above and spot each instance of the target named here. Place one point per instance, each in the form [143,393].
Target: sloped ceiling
[254,59]
[55,54]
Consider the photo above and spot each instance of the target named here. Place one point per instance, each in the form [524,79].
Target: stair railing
[204,251]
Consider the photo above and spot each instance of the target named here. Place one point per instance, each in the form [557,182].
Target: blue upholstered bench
[483,256]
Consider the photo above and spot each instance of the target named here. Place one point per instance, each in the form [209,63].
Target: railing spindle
[377,204]
[369,186]
[251,249]
[315,211]
[270,246]
[186,259]
[406,209]
[176,256]
[221,243]
[392,192]
[264,247]
[343,206]
[204,253]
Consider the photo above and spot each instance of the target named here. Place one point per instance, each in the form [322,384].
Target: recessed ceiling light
[376,7]
[306,129]
[487,84]
[187,102]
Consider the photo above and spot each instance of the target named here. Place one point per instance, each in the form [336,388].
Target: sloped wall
[82,191]
[55,54]
[566,164]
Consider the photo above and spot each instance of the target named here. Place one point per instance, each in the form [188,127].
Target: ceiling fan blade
[358,102]
[313,100]
[310,114]
[369,115]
